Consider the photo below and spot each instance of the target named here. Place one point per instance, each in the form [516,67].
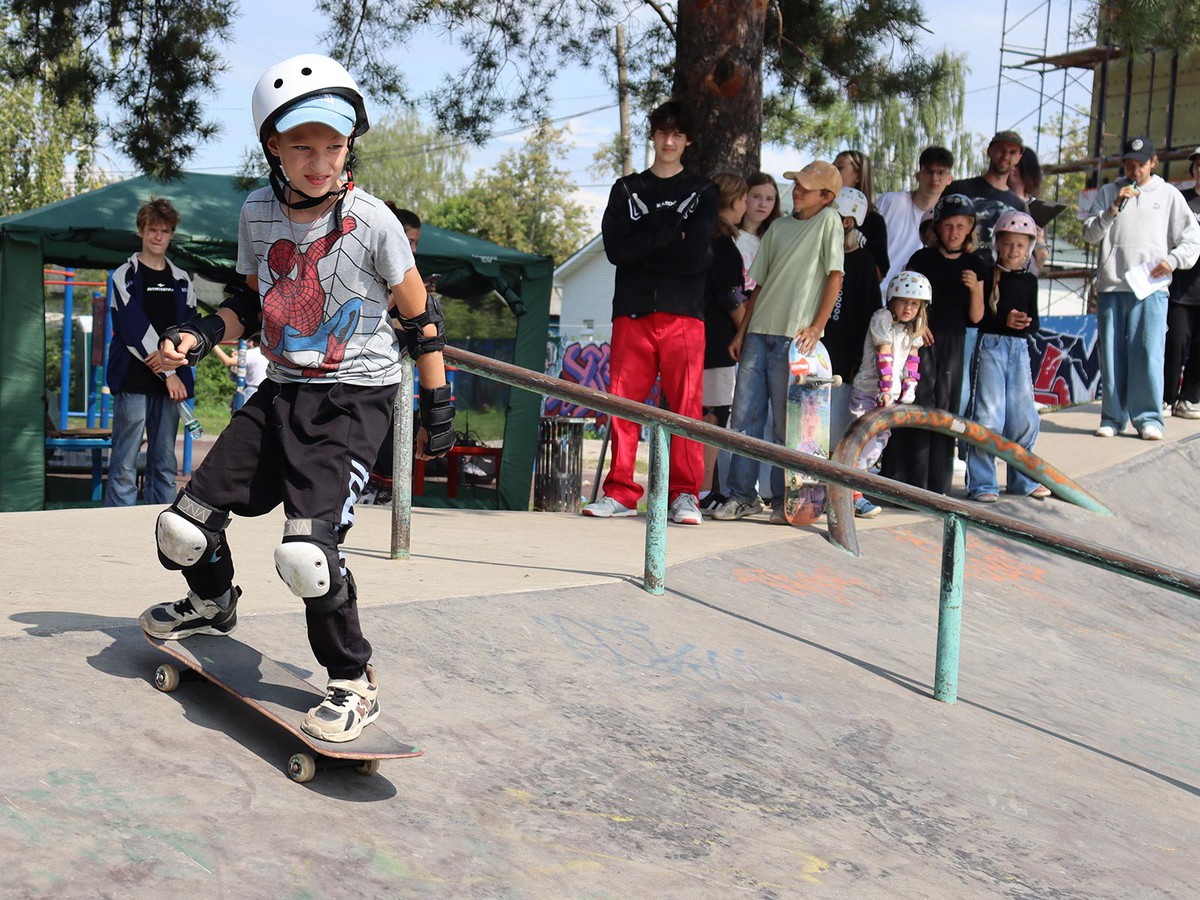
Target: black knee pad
[189,532]
[309,564]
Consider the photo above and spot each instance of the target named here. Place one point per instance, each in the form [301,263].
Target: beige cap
[817,176]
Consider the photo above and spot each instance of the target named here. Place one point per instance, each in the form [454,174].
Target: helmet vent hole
[278,83]
[306,71]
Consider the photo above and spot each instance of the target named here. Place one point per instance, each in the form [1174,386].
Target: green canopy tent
[96,230]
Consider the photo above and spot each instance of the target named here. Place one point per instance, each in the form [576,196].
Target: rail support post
[402,462]
[654,581]
[945,680]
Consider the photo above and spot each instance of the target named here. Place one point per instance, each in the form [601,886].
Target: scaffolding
[1049,65]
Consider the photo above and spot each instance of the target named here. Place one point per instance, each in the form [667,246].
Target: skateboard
[266,686]
[810,386]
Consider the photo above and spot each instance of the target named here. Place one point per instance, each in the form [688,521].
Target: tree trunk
[718,74]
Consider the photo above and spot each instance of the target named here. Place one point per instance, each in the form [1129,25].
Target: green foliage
[410,163]
[523,202]
[153,61]
[1142,25]
[214,387]
[47,149]
[893,130]
[480,317]
[1067,187]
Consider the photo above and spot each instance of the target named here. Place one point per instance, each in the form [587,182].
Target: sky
[270,30]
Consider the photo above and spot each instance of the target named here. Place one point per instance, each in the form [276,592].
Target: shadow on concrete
[923,689]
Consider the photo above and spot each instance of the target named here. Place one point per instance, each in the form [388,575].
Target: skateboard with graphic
[283,697]
[810,388]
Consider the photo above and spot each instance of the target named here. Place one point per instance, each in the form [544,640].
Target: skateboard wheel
[166,678]
[801,379]
[367,767]
[836,381]
[301,768]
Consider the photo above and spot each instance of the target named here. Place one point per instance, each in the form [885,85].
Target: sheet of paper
[1142,284]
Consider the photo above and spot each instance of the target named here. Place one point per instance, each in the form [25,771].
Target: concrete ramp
[765,729]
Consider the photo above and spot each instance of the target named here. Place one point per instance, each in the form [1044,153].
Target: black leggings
[1183,346]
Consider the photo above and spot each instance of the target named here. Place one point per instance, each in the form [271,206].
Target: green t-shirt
[795,258]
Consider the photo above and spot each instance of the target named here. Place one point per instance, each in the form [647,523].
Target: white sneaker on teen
[608,508]
[685,510]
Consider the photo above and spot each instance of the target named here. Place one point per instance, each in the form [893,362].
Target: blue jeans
[1133,337]
[1002,399]
[159,416]
[762,381]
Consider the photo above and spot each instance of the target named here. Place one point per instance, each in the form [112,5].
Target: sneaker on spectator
[1167,412]
[1185,409]
[608,508]
[1152,433]
[865,509]
[734,508]
[986,498]
[685,511]
[1105,431]
[778,517]
[710,503]
[1041,492]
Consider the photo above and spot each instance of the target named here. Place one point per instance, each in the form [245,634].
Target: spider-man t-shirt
[325,288]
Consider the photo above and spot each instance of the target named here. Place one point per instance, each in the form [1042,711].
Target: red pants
[641,350]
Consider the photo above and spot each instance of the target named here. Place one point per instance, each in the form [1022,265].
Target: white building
[585,282]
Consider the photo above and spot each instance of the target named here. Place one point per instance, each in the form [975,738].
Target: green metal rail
[956,515]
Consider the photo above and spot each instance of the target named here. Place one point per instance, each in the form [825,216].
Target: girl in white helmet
[1001,381]
[890,367]
[327,267]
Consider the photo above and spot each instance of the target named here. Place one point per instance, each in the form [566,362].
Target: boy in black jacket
[657,230]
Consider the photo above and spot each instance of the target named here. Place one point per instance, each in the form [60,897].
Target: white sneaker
[608,508]
[685,510]
[1105,431]
[734,508]
[1152,433]
[1185,409]
[349,706]
[1166,411]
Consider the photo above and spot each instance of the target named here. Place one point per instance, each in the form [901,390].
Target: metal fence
[956,514]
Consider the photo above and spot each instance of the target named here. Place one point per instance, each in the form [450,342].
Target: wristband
[883,362]
[437,418]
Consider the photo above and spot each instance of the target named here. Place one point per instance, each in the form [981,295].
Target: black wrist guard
[246,305]
[207,332]
[414,329]
[437,418]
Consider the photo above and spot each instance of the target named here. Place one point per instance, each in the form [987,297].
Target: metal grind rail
[956,514]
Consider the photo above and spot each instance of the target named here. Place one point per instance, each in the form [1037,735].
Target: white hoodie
[1155,225]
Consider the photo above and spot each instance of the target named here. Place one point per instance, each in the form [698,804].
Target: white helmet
[1016,222]
[852,203]
[912,286]
[306,75]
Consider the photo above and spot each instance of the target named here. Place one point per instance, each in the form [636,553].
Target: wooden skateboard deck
[281,696]
[810,387]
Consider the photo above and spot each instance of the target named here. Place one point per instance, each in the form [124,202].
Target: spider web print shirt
[325,288]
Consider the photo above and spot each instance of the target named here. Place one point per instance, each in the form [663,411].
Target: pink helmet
[1016,222]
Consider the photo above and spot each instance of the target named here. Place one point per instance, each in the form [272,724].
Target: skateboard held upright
[810,387]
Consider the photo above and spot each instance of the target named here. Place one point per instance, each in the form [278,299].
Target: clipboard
[1044,213]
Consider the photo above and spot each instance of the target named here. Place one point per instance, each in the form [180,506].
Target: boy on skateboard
[327,266]
[798,270]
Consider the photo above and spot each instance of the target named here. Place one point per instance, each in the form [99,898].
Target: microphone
[1124,200]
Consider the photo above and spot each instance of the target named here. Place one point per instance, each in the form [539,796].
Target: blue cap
[328,109]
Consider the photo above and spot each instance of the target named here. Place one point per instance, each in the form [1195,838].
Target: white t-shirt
[325,290]
[747,245]
[885,330]
[903,218]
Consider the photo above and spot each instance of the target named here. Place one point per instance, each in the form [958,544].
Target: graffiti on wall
[585,363]
[1065,360]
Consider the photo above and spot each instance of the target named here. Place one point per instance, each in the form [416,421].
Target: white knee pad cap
[304,568]
[180,540]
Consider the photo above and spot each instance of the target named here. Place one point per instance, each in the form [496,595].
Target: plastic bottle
[189,420]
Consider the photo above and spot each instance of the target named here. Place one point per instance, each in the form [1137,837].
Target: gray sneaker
[350,705]
[608,508]
[685,510]
[1185,409]
[736,508]
[191,615]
